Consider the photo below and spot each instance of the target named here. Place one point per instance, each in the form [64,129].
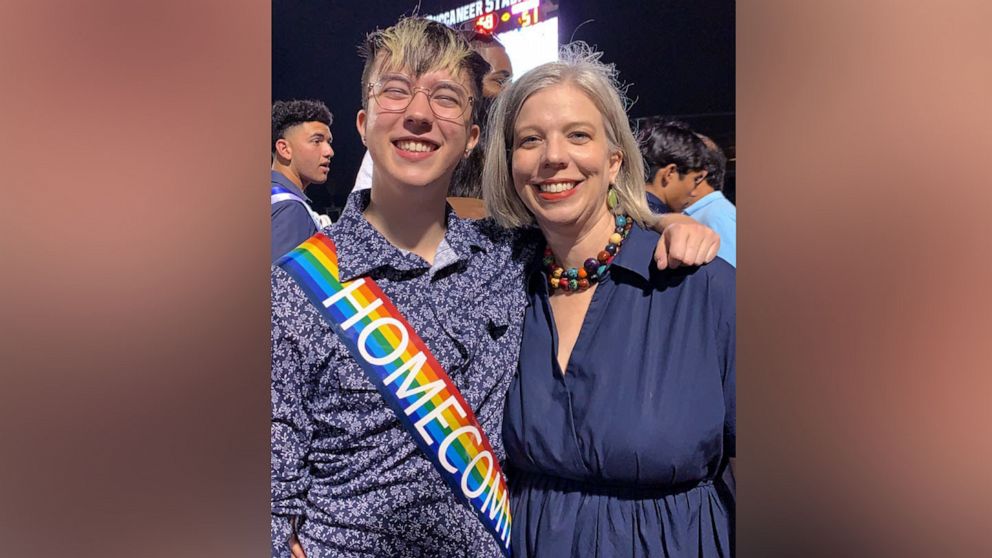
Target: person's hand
[295,548]
[684,242]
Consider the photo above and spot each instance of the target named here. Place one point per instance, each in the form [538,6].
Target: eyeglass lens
[446,99]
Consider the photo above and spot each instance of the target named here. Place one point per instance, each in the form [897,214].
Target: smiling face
[413,147]
[562,163]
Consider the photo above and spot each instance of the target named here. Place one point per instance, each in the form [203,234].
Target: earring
[611,198]
[363,141]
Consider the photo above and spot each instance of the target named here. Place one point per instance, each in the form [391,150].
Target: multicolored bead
[593,270]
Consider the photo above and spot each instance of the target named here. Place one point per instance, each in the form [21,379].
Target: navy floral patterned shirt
[344,471]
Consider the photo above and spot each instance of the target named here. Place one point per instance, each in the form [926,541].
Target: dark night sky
[677,56]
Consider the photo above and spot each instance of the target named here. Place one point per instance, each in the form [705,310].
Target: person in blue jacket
[301,155]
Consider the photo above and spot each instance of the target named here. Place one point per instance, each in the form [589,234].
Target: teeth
[555,187]
[416,146]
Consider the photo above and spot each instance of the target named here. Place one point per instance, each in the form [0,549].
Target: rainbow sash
[409,378]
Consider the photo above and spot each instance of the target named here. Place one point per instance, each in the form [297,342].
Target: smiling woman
[622,414]
[562,161]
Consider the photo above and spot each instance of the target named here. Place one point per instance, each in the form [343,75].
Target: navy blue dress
[618,457]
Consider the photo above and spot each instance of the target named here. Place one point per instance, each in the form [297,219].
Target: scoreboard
[495,16]
[527,28]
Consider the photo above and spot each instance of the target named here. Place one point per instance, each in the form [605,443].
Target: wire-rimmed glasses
[394,93]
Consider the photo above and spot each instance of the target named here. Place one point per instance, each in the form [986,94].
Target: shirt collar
[637,251]
[703,202]
[655,203]
[282,180]
[362,249]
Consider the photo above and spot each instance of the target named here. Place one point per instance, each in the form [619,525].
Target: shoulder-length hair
[579,65]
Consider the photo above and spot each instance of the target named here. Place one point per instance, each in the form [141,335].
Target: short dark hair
[290,113]
[666,142]
[715,162]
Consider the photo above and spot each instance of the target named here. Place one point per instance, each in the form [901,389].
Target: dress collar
[637,251]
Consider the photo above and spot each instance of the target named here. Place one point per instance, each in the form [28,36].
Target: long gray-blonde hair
[579,65]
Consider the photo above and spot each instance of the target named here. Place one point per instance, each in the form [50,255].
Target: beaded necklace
[593,270]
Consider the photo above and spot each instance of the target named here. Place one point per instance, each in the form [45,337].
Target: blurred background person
[301,155]
[686,172]
[465,195]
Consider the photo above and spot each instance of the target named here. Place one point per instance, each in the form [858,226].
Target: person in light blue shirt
[686,174]
[716,212]
[708,205]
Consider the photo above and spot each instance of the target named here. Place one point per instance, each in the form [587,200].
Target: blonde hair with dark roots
[421,46]
[579,65]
